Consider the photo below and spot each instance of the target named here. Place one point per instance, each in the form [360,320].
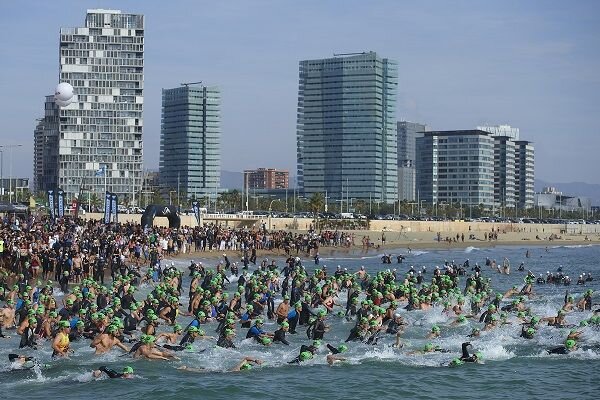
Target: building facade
[407,134]
[346,130]
[524,174]
[551,199]
[455,166]
[102,129]
[190,155]
[45,148]
[266,178]
[504,172]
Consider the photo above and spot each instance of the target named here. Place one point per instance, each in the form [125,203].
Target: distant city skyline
[460,65]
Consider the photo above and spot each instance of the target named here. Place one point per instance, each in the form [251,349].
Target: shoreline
[414,244]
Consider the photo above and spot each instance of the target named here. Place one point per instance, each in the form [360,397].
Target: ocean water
[513,367]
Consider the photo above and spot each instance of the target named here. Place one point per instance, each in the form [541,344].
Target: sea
[512,366]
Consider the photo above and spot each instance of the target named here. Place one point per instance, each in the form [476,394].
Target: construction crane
[186,84]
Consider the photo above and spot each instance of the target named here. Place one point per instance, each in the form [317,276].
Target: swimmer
[466,357]
[60,344]
[106,341]
[434,333]
[569,346]
[246,364]
[126,374]
[149,351]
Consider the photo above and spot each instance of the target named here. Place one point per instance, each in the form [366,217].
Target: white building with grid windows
[102,128]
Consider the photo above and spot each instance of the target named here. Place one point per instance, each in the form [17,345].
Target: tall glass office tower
[346,128]
[102,129]
[190,155]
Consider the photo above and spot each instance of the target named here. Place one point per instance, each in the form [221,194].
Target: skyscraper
[45,148]
[102,129]
[407,134]
[190,156]
[346,131]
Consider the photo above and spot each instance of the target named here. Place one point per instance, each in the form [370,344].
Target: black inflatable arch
[154,210]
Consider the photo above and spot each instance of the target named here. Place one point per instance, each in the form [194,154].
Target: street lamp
[170,199]
[270,208]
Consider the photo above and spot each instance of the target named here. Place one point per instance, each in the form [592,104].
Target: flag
[101,171]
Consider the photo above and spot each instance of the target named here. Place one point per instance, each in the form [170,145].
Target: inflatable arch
[154,210]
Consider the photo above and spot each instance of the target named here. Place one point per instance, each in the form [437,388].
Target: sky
[532,65]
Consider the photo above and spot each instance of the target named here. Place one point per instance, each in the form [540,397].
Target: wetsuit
[558,350]
[333,349]
[466,357]
[303,348]
[225,343]
[279,336]
[318,330]
[255,333]
[111,373]
[28,339]
[355,334]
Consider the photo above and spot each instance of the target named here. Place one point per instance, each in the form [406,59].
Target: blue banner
[107,208]
[51,208]
[61,202]
[113,206]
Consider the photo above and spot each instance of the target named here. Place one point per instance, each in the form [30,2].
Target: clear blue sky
[533,65]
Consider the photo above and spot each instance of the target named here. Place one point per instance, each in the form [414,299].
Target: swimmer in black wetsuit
[126,374]
[279,334]
[306,352]
[569,346]
[466,357]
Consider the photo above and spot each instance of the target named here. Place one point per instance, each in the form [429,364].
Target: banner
[60,199]
[107,208]
[51,204]
[196,210]
[113,207]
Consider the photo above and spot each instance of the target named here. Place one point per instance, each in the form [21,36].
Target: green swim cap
[456,362]
[229,332]
[201,332]
[435,329]
[192,329]
[342,348]
[63,324]
[32,321]
[111,329]
[176,328]
[570,344]
[266,341]
[462,318]
[428,347]
[80,323]
[245,367]
[128,370]
[305,355]
[285,324]
[583,323]
[530,331]
[316,343]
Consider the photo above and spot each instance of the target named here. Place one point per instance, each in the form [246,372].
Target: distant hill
[583,189]
[232,180]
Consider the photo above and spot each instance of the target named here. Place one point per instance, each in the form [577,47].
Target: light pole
[10,147]
[270,208]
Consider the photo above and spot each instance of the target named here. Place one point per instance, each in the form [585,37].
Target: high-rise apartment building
[407,135]
[525,174]
[266,178]
[504,171]
[346,130]
[190,155]
[45,148]
[456,166]
[102,128]
[514,167]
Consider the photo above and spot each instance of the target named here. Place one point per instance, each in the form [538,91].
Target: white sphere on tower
[63,92]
